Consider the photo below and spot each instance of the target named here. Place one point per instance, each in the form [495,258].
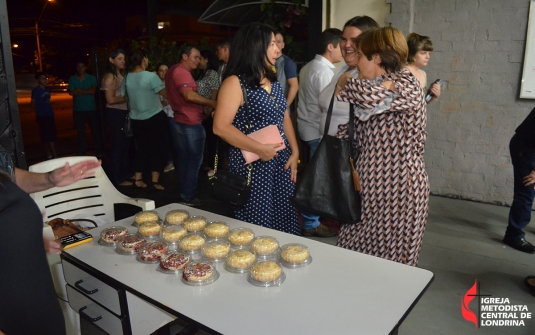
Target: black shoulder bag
[227,186]
[127,126]
[329,186]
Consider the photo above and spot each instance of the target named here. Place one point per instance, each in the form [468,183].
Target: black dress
[28,301]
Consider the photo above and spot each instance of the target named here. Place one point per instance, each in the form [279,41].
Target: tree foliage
[291,21]
[159,51]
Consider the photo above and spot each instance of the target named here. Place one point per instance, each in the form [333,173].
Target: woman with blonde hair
[390,122]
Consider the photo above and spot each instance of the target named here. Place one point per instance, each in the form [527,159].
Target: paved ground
[66,143]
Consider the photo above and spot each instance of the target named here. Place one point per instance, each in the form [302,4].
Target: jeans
[523,159]
[120,161]
[190,147]
[80,119]
[311,221]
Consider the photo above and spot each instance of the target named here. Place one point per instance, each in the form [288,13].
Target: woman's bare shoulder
[231,80]
[231,83]
[109,78]
[230,89]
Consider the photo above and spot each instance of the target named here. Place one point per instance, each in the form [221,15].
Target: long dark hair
[110,68]
[136,58]
[248,54]
[157,68]
[213,64]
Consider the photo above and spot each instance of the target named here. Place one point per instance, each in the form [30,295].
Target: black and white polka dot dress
[271,188]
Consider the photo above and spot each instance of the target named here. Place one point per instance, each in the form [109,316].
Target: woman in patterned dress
[252,56]
[390,122]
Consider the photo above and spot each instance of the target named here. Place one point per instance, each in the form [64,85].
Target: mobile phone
[430,95]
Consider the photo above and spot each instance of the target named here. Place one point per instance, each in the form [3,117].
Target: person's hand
[435,90]
[529,179]
[165,102]
[269,151]
[292,165]
[68,174]
[52,246]
[342,81]
[208,111]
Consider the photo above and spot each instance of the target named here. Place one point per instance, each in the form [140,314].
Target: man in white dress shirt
[313,78]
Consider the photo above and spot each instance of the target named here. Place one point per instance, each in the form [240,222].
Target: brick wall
[478,51]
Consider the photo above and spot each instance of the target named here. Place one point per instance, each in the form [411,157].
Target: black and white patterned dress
[209,82]
[390,135]
[269,205]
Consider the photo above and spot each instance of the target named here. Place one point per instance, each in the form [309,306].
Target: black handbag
[227,186]
[127,126]
[329,186]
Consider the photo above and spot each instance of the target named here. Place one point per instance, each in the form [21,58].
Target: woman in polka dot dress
[252,56]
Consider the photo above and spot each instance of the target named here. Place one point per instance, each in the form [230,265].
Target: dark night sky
[102,21]
[100,15]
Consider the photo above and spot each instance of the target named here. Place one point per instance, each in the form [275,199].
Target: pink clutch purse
[269,134]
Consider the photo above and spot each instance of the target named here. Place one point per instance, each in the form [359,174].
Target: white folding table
[340,292]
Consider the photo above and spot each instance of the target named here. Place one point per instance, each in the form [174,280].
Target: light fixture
[15,45]
[162,25]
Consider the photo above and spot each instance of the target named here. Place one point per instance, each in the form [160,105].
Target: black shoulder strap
[329,115]
[351,125]
[125,86]
[248,126]
[126,92]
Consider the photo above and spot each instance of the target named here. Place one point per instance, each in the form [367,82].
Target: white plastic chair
[94,196]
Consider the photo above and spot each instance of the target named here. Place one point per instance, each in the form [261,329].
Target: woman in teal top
[149,122]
